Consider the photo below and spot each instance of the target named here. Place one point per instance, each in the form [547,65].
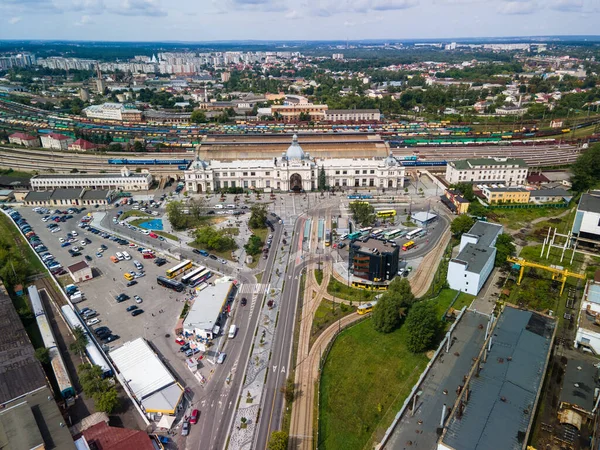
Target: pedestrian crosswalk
[252,288]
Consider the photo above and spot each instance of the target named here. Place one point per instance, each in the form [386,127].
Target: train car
[67,391]
[95,355]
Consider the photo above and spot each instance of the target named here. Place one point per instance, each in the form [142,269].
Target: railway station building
[123,181]
[348,165]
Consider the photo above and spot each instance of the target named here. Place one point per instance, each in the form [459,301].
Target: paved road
[217,401]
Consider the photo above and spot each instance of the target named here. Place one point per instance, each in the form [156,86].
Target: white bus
[186,278]
[415,233]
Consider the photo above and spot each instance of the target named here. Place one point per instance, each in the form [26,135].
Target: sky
[209,20]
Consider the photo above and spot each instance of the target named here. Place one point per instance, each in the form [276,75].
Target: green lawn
[342,290]
[326,314]
[8,226]
[167,235]
[319,276]
[532,253]
[367,377]
[133,213]
[519,218]
[262,233]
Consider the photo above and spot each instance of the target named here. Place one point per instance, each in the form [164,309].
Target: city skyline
[152,20]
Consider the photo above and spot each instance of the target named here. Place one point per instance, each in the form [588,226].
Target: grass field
[167,235]
[516,219]
[319,276]
[367,377]
[326,314]
[262,233]
[341,290]
[133,213]
[579,133]
[532,253]
[8,226]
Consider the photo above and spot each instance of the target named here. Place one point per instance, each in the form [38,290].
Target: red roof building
[82,145]
[104,437]
[537,178]
[24,139]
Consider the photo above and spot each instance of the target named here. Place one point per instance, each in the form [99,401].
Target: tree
[461,224]
[278,441]
[322,181]
[504,248]
[392,306]
[42,355]
[213,239]
[586,170]
[363,213]
[258,217]
[198,116]
[90,377]
[176,216]
[422,326]
[139,147]
[81,341]
[289,390]
[466,190]
[254,245]
[107,401]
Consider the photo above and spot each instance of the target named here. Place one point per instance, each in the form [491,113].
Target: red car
[153,235]
[180,341]
[194,416]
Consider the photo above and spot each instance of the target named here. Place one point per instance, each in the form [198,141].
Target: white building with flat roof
[123,181]
[295,170]
[469,271]
[509,171]
[203,316]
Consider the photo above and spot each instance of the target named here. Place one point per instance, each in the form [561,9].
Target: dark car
[88,258]
[244,301]
[101,330]
[104,247]
[131,308]
[341,245]
[196,251]
[88,240]
[211,256]
[110,338]
[137,312]
[160,262]
[131,283]
[184,347]
[74,254]
[122,297]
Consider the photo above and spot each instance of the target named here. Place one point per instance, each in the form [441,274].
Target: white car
[76,249]
[55,230]
[100,250]
[138,299]
[83,243]
[146,232]
[61,240]
[93,321]
[45,219]
[74,233]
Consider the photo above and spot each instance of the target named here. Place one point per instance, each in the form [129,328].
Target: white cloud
[518,7]
[14,20]
[567,5]
[349,23]
[85,20]
[148,8]
[293,14]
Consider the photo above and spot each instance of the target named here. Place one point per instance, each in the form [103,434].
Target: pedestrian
[152,314]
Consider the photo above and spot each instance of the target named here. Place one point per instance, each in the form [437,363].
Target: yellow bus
[386,213]
[366,308]
[179,268]
[408,245]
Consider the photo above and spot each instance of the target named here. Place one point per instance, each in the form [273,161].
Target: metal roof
[589,203]
[580,383]
[480,163]
[141,368]
[486,232]
[475,257]
[503,398]
[206,307]
[20,371]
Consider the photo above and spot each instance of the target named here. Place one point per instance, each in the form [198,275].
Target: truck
[77,297]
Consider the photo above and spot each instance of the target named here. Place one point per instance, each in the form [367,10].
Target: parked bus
[386,213]
[187,277]
[366,308]
[415,233]
[170,284]
[377,233]
[408,245]
[393,234]
[179,268]
[200,278]
[354,236]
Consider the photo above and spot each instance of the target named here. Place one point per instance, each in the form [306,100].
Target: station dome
[391,161]
[294,151]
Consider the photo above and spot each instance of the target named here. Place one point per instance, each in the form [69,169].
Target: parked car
[93,321]
[131,308]
[131,283]
[137,312]
[194,417]
[221,358]
[137,299]
[185,429]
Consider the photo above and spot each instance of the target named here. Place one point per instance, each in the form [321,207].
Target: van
[232,331]
[128,276]
[114,259]
[120,256]
[76,298]
[218,206]
[125,255]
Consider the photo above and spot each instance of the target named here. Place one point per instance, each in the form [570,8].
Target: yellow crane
[558,273]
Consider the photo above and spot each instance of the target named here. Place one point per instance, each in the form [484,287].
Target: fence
[528,205]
